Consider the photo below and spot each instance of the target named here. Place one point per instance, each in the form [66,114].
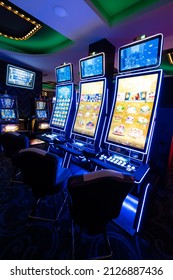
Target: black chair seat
[96,198]
[11,143]
[42,172]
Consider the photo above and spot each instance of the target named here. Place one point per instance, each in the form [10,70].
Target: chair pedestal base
[35,208]
[108,252]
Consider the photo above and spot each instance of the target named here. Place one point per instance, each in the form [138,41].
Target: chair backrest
[12,142]
[96,198]
[40,170]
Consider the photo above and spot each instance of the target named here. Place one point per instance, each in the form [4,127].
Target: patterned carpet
[40,240]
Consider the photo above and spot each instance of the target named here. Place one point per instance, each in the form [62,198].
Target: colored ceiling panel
[46,40]
[15,24]
[113,11]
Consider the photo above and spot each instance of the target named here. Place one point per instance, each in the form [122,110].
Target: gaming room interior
[86,134]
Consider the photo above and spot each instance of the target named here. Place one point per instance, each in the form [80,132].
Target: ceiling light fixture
[60,11]
[36,27]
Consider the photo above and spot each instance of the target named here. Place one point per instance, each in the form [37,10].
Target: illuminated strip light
[138,182]
[37,26]
[142,208]
[106,110]
[128,204]
[154,111]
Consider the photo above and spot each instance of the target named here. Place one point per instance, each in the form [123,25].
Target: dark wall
[163,133]
[25,97]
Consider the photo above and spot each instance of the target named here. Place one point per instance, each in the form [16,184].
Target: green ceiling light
[113,11]
[45,41]
[167,68]
[46,86]
[30,25]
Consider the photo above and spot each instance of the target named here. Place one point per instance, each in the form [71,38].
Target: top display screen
[133,112]
[40,105]
[92,66]
[19,77]
[7,102]
[141,55]
[64,73]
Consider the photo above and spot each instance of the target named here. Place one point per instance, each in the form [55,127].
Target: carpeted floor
[22,240]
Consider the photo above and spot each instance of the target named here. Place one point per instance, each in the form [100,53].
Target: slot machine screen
[40,105]
[61,110]
[92,66]
[64,73]
[7,102]
[19,77]
[8,114]
[141,55]
[41,114]
[87,118]
[133,113]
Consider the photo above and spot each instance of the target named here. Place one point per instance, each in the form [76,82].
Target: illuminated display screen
[19,77]
[89,108]
[62,106]
[6,102]
[40,105]
[133,113]
[92,66]
[8,114]
[141,55]
[64,73]
[41,114]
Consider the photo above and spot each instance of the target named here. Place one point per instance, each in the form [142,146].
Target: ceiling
[67,27]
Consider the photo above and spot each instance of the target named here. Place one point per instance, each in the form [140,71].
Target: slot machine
[9,116]
[42,116]
[131,124]
[64,106]
[89,120]
[16,79]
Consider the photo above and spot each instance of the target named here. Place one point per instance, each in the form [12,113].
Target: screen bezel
[94,56]
[152,117]
[63,66]
[158,36]
[10,83]
[54,108]
[101,108]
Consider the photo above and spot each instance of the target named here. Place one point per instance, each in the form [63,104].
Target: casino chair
[42,172]
[94,200]
[11,143]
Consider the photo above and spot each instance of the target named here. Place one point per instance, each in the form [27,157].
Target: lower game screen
[132,114]
[8,114]
[91,95]
[41,114]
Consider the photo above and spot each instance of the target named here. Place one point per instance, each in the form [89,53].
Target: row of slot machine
[9,115]
[9,110]
[96,136]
